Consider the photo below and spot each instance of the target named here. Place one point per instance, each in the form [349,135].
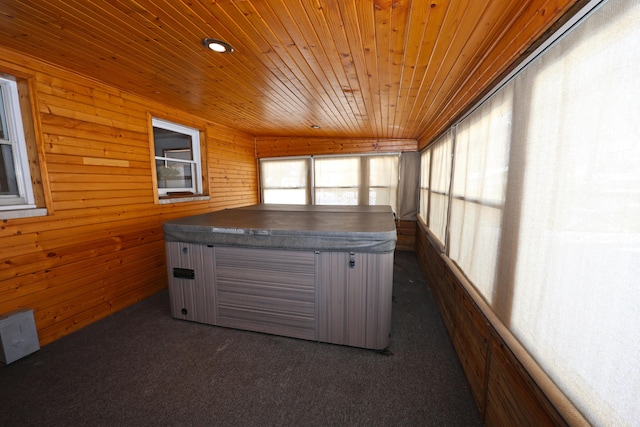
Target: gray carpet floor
[141,367]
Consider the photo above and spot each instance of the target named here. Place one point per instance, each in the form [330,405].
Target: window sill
[181,199]
[23,213]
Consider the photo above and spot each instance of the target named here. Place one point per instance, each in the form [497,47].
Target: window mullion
[363,188]
[311,185]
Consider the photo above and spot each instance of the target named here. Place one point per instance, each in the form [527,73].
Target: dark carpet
[141,367]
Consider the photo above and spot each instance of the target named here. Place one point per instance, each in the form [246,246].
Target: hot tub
[322,273]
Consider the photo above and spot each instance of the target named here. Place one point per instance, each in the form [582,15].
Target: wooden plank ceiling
[357,68]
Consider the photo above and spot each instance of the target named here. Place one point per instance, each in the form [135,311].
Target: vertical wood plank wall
[101,248]
[406,231]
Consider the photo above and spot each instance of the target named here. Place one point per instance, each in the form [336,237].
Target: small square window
[177,159]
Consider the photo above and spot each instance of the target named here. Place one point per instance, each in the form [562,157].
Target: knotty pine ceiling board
[384,69]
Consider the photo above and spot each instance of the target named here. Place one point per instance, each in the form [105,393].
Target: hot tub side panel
[192,275]
[354,298]
[266,290]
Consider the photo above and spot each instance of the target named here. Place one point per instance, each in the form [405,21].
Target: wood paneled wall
[101,247]
[507,391]
[406,235]
[268,146]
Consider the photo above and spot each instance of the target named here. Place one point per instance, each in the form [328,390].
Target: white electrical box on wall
[18,335]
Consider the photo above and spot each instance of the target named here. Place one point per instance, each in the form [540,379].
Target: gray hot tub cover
[322,228]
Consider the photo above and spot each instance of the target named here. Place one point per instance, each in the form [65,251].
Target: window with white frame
[177,155]
[16,191]
[331,180]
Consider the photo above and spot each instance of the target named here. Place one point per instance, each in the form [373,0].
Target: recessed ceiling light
[315,127]
[217,45]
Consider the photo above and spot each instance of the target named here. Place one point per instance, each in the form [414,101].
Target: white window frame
[16,139]
[359,187]
[196,188]
[308,184]
[363,187]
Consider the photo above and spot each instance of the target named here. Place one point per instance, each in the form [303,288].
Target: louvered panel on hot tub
[270,291]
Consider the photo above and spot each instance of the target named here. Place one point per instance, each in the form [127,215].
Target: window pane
[474,240]
[172,144]
[337,180]
[175,175]
[441,164]
[383,171]
[383,180]
[482,150]
[3,117]
[285,196]
[8,182]
[337,172]
[439,191]
[336,196]
[479,185]
[382,196]
[424,204]
[284,173]
[438,215]
[425,158]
